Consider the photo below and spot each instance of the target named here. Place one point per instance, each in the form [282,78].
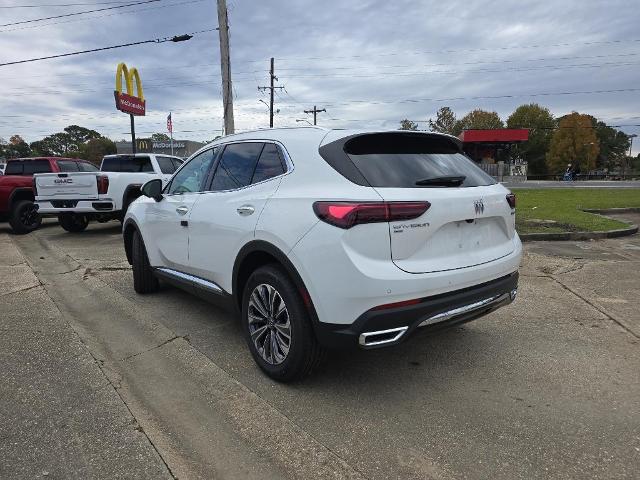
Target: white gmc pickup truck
[80,197]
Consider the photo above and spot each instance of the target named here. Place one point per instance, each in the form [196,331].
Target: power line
[60,5]
[25,27]
[77,13]
[176,38]
[463,50]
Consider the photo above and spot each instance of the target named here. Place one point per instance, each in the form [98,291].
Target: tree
[574,142]
[541,125]
[15,148]
[445,121]
[96,148]
[77,136]
[160,137]
[408,125]
[614,146]
[58,144]
[478,119]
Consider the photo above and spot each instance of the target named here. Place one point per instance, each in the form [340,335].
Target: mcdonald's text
[129,104]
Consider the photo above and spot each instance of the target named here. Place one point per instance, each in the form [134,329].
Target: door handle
[246,210]
[182,210]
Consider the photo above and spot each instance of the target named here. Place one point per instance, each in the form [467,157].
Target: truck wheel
[143,279]
[277,326]
[73,222]
[24,217]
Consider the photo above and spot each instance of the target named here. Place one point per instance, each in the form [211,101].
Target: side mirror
[153,189]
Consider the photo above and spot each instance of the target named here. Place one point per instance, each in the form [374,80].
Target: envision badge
[479,206]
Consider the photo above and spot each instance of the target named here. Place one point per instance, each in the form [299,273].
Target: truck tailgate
[76,185]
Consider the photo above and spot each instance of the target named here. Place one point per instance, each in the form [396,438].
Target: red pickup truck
[16,187]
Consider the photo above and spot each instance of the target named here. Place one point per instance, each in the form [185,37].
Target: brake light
[35,186]
[349,214]
[103,184]
[511,200]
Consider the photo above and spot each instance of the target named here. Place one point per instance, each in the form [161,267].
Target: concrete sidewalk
[60,417]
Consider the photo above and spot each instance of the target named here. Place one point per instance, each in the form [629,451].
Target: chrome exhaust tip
[381,337]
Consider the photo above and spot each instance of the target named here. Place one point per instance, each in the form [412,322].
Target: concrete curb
[609,211]
[622,232]
[530,237]
[563,236]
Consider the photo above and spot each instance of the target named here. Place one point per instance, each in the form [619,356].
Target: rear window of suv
[403,160]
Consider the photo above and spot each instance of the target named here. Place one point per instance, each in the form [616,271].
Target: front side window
[192,176]
[87,167]
[236,166]
[269,165]
[166,165]
[67,166]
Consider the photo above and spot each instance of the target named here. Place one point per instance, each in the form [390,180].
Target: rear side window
[36,166]
[67,165]
[14,167]
[236,166]
[403,160]
[269,165]
[166,165]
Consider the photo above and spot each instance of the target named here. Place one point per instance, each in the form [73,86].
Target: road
[580,184]
[545,388]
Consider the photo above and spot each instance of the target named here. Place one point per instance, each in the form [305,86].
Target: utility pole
[271,88]
[315,112]
[225,67]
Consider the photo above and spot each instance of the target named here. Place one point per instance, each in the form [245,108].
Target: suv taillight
[511,200]
[348,214]
[103,184]
[35,186]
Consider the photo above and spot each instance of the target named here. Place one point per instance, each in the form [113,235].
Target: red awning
[502,135]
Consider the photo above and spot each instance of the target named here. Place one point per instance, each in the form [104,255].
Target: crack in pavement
[153,348]
[599,309]
[40,284]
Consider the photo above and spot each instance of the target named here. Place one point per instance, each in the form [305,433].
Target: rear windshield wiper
[450,181]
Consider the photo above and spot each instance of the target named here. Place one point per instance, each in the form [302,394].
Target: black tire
[143,279]
[304,353]
[73,222]
[24,218]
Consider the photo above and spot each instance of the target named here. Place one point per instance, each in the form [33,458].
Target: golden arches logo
[128,102]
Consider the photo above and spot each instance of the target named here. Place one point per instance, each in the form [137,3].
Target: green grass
[563,207]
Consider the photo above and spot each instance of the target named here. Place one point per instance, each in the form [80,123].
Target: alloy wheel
[269,324]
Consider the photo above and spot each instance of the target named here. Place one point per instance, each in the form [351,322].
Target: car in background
[2,167]
[327,239]
[16,187]
[77,198]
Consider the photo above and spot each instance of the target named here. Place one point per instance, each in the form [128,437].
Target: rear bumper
[380,328]
[54,207]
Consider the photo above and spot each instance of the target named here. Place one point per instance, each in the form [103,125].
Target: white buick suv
[326,239]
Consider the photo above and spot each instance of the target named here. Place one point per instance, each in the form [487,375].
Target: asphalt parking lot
[547,387]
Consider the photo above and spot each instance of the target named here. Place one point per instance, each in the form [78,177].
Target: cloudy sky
[369,63]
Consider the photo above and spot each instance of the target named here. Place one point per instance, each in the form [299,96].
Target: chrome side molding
[201,282]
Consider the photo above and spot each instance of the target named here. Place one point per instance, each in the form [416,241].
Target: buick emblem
[479,207]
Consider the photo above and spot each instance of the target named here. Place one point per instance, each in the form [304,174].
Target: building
[491,149]
[181,148]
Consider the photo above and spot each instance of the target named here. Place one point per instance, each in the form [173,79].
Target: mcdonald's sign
[128,102]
